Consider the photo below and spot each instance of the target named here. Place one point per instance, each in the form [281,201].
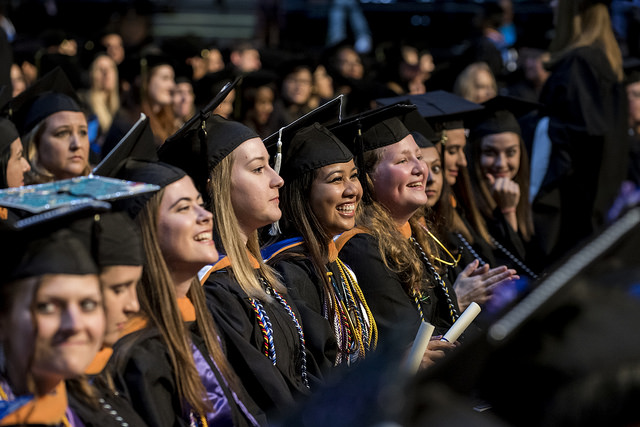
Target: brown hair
[486,203]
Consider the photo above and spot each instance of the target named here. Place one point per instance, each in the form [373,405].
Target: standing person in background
[580,153]
[337,27]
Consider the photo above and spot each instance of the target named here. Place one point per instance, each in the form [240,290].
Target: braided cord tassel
[514,258]
[266,328]
[470,249]
[303,347]
[452,309]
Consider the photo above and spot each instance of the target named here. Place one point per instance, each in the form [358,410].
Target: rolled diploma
[462,323]
[418,348]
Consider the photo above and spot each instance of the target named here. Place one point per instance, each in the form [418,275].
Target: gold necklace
[455,261]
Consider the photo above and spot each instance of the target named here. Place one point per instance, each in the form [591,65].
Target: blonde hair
[397,252]
[580,24]
[227,228]
[104,108]
[464,85]
[38,173]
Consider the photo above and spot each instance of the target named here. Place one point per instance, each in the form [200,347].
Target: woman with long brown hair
[171,365]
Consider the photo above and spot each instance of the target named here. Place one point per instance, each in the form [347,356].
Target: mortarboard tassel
[277,164]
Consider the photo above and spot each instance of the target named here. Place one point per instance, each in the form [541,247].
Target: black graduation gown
[587,109]
[111,410]
[394,310]
[306,289]
[146,379]
[524,257]
[275,389]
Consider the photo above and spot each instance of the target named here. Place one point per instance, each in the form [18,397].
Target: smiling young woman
[170,363]
[319,201]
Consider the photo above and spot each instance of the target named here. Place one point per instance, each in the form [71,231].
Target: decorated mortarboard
[138,143]
[8,133]
[500,114]
[156,173]
[188,148]
[51,93]
[69,192]
[329,113]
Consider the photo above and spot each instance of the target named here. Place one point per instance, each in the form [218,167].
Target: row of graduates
[238,319]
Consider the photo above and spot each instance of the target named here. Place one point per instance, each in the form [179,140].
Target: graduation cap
[370,130]
[43,249]
[327,114]
[54,242]
[188,148]
[113,238]
[138,143]
[69,192]
[50,94]
[442,110]
[8,133]
[500,114]
[420,129]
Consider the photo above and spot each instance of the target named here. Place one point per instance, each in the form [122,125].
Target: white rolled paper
[418,348]
[462,323]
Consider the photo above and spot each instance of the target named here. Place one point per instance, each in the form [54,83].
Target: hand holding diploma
[462,323]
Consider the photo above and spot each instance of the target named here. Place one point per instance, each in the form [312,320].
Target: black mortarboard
[51,93]
[55,252]
[327,114]
[8,133]
[500,114]
[157,173]
[631,70]
[420,129]
[379,127]
[188,148]
[224,137]
[312,147]
[443,110]
[46,244]
[138,143]
[113,238]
